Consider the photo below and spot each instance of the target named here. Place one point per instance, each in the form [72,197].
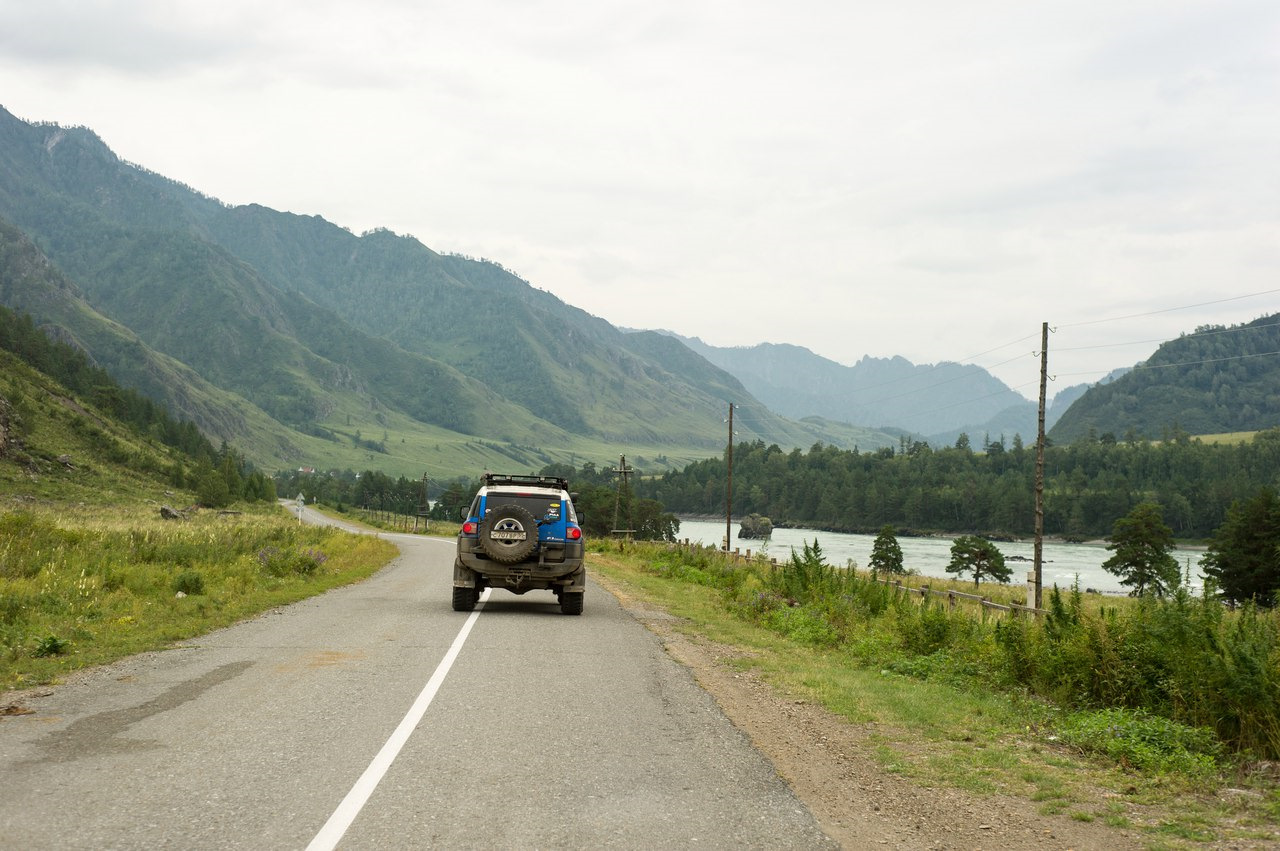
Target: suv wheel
[509,534]
[571,603]
[464,599]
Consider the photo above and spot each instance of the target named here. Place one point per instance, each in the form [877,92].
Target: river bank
[736,524]
[1064,563]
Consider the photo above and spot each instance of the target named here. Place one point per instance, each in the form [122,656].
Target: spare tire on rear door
[509,533]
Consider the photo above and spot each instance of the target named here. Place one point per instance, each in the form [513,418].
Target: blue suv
[521,533]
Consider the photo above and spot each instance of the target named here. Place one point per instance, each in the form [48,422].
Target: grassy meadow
[85,584]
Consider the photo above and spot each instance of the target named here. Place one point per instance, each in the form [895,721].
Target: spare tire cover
[509,533]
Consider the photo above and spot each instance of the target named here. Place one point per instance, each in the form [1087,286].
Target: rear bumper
[556,566]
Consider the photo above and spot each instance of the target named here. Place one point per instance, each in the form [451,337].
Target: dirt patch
[829,764]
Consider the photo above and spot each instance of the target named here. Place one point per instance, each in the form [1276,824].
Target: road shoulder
[830,766]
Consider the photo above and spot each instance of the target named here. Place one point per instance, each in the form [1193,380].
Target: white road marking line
[334,829]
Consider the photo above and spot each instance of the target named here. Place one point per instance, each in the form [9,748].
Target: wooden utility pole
[728,496]
[624,484]
[424,508]
[1039,544]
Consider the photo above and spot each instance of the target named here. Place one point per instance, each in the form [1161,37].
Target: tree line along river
[1062,562]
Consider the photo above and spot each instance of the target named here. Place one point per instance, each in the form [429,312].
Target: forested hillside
[1088,485]
[1217,379]
[68,430]
[30,283]
[340,337]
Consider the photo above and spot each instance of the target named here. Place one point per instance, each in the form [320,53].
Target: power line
[998,348]
[979,398]
[861,390]
[1169,309]
[976,369]
[1143,366]
[1197,334]
[939,365]
[990,367]
[972,372]
[1109,345]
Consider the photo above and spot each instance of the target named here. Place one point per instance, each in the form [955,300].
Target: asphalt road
[530,730]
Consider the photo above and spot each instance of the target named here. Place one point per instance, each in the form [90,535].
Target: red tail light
[574,533]
[469,528]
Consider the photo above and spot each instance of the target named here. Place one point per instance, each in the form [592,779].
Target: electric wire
[1168,309]
[944,363]
[984,396]
[1233,330]
[987,368]
[1145,366]
[976,369]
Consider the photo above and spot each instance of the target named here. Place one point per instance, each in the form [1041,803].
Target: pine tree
[1244,554]
[971,554]
[886,554]
[1142,544]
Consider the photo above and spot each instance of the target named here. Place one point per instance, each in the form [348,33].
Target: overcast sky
[924,179]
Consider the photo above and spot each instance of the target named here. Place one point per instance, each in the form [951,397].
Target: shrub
[51,645]
[188,582]
[280,563]
[870,599]
[308,561]
[806,576]
[801,623]
[702,566]
[1143,741]
[926,629]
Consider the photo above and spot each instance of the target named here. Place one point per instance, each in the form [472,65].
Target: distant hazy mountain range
[1213,380]
[938,401]
[305,344]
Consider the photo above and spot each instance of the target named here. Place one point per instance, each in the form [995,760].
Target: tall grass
[78,589]
[1184,658]
[1183,661]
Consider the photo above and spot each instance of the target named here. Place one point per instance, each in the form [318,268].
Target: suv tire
[571,604]
[464,599]
[509,518]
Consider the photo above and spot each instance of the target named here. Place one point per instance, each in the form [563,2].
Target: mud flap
[463,577]
[577,582]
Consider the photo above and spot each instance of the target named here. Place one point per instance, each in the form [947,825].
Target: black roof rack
[538,481]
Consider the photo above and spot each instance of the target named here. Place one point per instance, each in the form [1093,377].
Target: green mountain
[306,344]
[1215,380]
[69,433]
[30,283]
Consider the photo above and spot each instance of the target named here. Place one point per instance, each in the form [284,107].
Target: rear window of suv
[541,506]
